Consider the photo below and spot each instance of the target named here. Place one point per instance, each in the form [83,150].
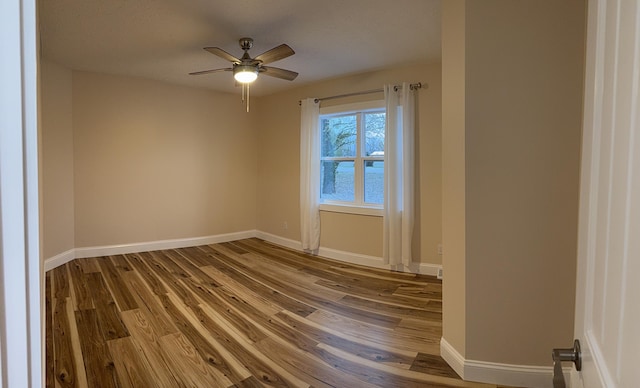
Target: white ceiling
[163,39]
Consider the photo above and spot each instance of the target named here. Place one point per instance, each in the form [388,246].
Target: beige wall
[148,161]
[57,160]
[364,230]
[453,174]
[155,161]
[523,92]
[279,155]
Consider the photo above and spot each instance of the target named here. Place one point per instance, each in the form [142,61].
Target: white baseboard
[59,259]
[275,239]
[452,357]
[426,268]
[348,257]
[498,373]
[81,253]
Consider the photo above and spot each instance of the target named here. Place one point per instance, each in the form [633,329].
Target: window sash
[359,159]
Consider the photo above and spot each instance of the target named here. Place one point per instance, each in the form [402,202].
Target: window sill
[361,210]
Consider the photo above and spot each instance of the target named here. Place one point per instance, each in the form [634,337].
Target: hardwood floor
[241,314]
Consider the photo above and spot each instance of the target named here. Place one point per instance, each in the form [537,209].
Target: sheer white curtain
[309,173]
[399,175]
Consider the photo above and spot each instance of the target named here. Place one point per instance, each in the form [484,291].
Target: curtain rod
[415,86]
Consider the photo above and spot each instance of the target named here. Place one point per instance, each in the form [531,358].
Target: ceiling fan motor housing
[246,43]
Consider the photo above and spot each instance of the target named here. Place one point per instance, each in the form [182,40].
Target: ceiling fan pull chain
[247,98]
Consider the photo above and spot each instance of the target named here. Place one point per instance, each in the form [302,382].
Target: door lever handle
[565,354]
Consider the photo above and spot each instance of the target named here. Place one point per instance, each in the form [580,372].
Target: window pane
[374,181]
[336,180]
[374,133]
[339,136]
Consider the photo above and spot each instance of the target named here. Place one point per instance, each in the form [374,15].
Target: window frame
[358,206]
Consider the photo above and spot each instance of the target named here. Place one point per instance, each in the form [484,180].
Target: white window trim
[366,209]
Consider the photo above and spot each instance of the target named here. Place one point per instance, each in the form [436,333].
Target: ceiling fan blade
[210,71]
[222,54]
[275,54]
[279,73]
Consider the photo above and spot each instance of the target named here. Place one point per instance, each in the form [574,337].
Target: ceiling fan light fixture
[245,74]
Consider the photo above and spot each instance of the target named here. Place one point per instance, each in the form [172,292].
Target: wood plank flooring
[241,314]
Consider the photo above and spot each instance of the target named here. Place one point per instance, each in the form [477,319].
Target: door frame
[21,273]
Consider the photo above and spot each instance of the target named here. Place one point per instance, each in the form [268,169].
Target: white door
[608,283]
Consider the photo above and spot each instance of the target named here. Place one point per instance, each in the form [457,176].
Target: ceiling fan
[246,69]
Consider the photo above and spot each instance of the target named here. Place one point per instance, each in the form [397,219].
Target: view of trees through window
[352,157]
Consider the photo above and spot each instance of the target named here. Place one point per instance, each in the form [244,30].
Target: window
[352,155]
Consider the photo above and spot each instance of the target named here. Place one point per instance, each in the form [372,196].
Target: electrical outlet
[285,225]
[440,249]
